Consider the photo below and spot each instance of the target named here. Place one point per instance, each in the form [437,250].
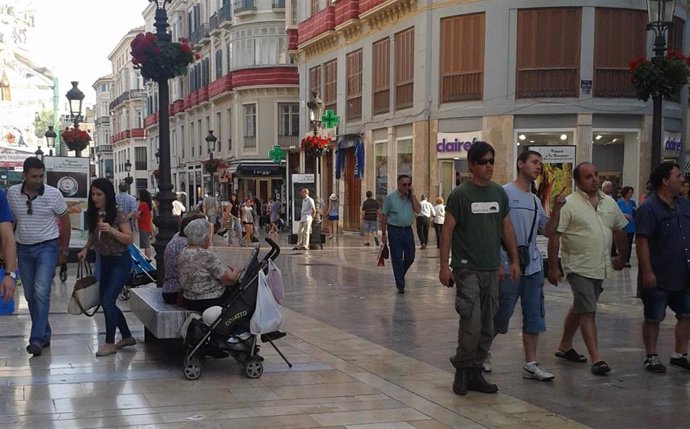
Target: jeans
[530,290]
[37,269]
[236,226]
[401,245]
[114,273]
[304,232]
[438,227]
[423,230]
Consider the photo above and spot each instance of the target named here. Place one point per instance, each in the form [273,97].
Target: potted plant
[158,59]
[660,76]
[314,145]
[75,139]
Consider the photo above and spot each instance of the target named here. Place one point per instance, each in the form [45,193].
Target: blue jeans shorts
[369,227]
[656,300]
[530,290]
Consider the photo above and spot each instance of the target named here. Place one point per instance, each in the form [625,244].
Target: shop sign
[673,144]
[456,145]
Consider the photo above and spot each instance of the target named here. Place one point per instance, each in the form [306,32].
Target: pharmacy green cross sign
[330,120]
[276,154]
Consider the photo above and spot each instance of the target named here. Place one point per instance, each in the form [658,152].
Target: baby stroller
[229,334]
[142,272]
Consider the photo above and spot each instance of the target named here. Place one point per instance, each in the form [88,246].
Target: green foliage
[42,121]
[662,76]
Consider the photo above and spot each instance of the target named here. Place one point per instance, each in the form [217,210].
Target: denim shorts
[530,290]
[586,293]
[656,300]
[369,226]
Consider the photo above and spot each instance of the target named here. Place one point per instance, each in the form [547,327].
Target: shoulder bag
[523,251]
[86,292]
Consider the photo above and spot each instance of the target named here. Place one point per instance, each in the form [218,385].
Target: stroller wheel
[253,368]
[63,273]
[124,294]
[192,368]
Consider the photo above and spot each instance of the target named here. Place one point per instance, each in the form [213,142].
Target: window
[315,6]
[404,156]
[381,160]
[288,124]
[404,68]
[229,115]
[381,76]
[315,80]
[548,66]
[250,126]
[619,36]
[219,64]
[462,58]
[330,91]
[353,65]
[218,130]
[140,158]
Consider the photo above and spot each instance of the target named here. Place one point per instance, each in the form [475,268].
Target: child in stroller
[224,331]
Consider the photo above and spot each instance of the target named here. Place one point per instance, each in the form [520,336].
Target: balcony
[242,6]
[220,86]
[278,4]
[552,82]
[224,15]
[365,5]
[286,142]
[126,96]
[203,94]
[137,133]
[151,120]
[346,10]
[464,86]
[199,34]
[103,120]
[104,149]
[613,82]
[316,25]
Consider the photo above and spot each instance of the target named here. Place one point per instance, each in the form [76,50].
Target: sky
[74,37]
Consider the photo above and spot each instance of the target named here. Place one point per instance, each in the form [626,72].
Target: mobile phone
[410,192]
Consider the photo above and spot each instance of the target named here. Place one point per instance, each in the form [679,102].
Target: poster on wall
[556,177]
[71,177]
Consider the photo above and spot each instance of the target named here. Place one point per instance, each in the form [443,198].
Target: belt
[399,227]
[37,244]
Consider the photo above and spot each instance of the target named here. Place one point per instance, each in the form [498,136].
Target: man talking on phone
[397,214]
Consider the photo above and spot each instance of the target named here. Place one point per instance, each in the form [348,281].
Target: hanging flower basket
[212,165]
[75,139]
[161,60]
[663,76]
[156,173]
[314,145]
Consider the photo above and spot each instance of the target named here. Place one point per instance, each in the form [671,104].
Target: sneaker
[125,342]
[654,365]
[486,366]
[681,363]
[34,349]
[533,372]
[376,240]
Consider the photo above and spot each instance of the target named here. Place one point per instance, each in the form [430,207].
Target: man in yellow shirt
[589,222]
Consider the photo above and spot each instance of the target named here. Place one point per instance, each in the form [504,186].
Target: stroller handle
[275,250]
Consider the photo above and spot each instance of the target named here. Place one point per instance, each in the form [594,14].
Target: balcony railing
[287,141]
[613,82]
[403,95]
[381,101]
[552,82]
[200,33]
[354,108]
[103,120]
[462,87]
[126,96]
[244,6]
[278,4]
[104,149]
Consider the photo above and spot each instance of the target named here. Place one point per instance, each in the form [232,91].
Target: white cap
[333,197]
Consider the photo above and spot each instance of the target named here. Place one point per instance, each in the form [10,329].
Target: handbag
[523,251]
[86,292]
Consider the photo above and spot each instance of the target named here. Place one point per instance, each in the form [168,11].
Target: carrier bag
[275,281]
[86,292]
[268,315]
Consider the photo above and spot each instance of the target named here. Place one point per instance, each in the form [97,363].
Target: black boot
[478,383]
[461,381]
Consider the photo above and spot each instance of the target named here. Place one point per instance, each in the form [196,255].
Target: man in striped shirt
[41,245]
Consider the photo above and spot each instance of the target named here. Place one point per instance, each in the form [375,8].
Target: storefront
[615,153]
[451,155]
[261,178]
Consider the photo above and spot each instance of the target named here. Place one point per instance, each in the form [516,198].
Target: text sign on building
[455,145]
[672,145]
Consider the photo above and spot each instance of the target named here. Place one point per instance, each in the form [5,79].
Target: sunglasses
[485,161]
[405,184]
[29,209]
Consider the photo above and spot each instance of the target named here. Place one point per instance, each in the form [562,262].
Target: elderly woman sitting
[172,291]
[204,279]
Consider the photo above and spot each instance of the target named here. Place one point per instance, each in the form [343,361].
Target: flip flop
[571,355]
[600,368]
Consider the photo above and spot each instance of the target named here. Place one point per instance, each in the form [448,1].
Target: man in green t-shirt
[476,221]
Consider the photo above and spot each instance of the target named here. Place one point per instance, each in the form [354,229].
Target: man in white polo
[41,245]
[307,216]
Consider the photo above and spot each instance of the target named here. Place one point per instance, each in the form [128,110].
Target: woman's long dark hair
[145,196]
[106,186]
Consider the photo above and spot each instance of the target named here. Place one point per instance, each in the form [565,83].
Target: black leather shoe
[479,384]
[34,349]
[461,381]
[401,291]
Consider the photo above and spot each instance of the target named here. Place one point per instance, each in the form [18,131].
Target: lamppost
[211,142]
[109,174]
[50,136]
[315,106]
[39,153]
[660,19]
[129,179]
[165,221]
[75,98]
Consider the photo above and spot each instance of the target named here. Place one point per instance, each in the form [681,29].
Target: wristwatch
[12,274]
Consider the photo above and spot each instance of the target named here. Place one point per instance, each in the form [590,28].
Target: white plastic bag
[275,281]
[268,315]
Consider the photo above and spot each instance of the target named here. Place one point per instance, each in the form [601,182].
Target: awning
[348,141]
[256,168]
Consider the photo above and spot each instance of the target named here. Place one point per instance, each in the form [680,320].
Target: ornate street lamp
[211,142]
[50,136]
[39,153]
[129,179]
[75,98]
[660,19]
[109,174]
[315,106]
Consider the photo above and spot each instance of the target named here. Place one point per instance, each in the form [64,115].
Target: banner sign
[70,176]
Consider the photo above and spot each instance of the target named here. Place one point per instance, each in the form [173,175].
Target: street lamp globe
[75,98]
[661,10]
[39,153]
[128,166]
[50,136]
[211,141]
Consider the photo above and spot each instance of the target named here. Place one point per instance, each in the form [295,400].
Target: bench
[161,321]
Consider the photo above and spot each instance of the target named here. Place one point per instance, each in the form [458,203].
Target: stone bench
[161,321]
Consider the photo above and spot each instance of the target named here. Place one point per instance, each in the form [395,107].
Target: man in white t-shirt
[41,244]
[307,216]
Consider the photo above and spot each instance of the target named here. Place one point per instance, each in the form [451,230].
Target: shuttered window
[462,58]
[404,69]
[548,52]
[354,85]
[315,80]
[619,37]
[381,76]
[330,90]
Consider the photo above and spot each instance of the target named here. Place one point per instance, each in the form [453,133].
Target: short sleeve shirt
[587,234]
[370,207]
[144,221]
[172,254]
[40,225]
[667,231]
[199,271]
[307,207]
[398,210]
[5,212]
[105,243]
[522,215]
[478,213]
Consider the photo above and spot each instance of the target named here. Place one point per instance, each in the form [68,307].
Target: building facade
[414,81]
[102,132]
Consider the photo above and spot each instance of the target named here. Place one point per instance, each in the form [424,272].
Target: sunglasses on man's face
[405,184]
[484,161]
[29,209]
